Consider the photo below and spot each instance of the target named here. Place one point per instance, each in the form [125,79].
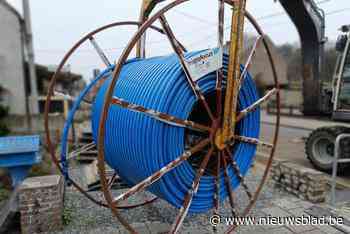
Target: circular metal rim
[53,80]
[108,98]
[321,154]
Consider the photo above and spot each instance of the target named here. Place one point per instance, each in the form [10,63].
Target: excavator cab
[341,81]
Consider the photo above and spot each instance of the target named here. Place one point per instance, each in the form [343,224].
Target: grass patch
[4,194]
[68,212]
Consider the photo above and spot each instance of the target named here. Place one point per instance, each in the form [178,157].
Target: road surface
[291,147]
[291,143]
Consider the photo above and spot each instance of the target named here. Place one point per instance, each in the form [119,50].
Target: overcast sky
[58,24]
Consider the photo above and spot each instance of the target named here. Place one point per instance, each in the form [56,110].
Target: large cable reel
[188,141]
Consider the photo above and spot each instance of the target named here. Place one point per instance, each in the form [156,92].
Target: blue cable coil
[137,145]
[70,119]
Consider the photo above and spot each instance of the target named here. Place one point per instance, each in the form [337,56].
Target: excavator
[320,100]
[320,144]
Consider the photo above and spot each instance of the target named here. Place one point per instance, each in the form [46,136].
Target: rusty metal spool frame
[212,130]
[51,92]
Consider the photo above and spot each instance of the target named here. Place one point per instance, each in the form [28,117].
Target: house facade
[12,79]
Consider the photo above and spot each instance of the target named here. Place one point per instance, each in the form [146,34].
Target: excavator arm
[310,23]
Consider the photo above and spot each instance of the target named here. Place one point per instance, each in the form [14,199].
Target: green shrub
[4,194]
[4,130]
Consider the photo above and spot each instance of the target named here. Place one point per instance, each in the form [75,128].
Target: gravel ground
[85,217]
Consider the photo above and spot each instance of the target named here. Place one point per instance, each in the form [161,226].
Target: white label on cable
[204,63]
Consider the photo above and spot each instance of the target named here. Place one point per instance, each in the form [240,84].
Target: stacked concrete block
[306,183]
[41,204]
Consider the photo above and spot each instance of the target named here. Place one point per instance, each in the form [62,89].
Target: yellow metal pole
[232,88]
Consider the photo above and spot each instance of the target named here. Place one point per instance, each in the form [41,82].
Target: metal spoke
[217,188]
[239,175]
[221,16]
[219,73]
[165,118]
[253,141]
[177,48]
[112,180]
[255,105]
[83,149]
[69,97]
[250,59]
[100,52]
[229,188]
[159,174]
[193,191]
[182,47]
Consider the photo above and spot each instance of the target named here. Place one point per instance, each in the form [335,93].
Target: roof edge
[12,9]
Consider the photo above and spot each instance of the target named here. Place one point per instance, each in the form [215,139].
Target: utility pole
[31,62]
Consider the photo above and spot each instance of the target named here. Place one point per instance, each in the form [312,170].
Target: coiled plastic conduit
[137,145]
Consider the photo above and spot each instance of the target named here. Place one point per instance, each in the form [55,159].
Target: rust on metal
[216,197]
[83,149]
[229,187]
[112,180]
[165,118]
[50,93]
[69,97]
[277,124]
[239,175]
[219,74]
[251,140]
[106,106]
[109,97]
[176,47]
[100,52]
[219,96]
[159,174]
[232,86]
[146,9]
[193,191]
[256,104]
[249,60]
